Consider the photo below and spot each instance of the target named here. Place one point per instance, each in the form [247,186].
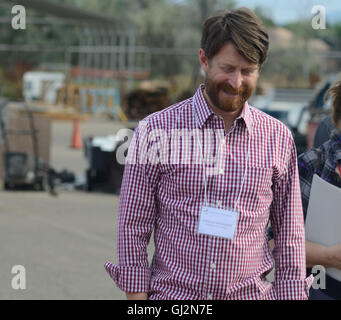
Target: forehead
[228,55]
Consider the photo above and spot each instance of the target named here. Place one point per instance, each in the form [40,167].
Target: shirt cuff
[129,279]
[293,289]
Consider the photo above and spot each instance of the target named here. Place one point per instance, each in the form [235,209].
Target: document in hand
[323,222]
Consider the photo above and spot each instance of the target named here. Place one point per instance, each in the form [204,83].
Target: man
[210,216]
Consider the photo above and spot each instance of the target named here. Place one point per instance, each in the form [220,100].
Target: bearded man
[209,204]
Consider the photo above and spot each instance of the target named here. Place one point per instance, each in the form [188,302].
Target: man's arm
[288,229]
[137,295]
[137,209]
[317,254]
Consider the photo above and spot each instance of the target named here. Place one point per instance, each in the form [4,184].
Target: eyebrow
[224,65]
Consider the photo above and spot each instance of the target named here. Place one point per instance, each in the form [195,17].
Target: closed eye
[248,71]
[228,69]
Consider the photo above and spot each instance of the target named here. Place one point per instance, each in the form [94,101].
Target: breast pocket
[183,181]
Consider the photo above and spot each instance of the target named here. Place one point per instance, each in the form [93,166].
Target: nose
[236,79]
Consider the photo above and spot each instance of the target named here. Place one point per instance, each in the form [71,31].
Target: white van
[33,82]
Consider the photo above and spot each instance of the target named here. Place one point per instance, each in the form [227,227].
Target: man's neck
[228,117]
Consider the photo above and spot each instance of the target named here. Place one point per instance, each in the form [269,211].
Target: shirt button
[209,297]
[212,265]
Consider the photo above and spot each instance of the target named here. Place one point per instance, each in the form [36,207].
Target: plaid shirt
[324,162]
[166,196]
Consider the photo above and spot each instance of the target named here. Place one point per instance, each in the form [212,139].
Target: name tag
[218,222]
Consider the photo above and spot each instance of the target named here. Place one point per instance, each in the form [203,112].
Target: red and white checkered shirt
[165,193]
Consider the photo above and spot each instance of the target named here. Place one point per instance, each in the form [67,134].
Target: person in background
[326,125]
[324,161]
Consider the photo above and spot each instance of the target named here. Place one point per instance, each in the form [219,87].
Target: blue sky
[283,11]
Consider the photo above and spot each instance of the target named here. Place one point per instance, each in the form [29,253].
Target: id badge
[218,222]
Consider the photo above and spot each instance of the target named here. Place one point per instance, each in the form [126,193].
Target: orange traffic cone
[76,142]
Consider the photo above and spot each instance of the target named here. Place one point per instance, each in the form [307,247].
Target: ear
[203,60]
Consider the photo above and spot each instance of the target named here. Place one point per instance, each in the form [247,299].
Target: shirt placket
[212,260]
[211,270]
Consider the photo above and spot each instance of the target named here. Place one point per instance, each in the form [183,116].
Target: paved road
[63,242]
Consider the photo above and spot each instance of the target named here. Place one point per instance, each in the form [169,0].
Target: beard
[217,94]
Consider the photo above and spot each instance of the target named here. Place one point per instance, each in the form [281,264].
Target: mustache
[242,91]
[229,89]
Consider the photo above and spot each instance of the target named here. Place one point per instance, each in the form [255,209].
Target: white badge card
[218,222]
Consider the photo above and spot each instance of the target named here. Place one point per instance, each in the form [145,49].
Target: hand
[272,244]
[335,256]
[137,296]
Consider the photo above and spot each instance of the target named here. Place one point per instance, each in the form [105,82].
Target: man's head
[234,46]
[335,94]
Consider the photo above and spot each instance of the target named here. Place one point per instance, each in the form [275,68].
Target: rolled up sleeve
[288,228]
[293,289]
[129,279]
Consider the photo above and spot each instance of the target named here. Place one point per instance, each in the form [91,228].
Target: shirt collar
[201,107]
[204,111]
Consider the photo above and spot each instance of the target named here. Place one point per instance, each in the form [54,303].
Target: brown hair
[241,27]
[335,93]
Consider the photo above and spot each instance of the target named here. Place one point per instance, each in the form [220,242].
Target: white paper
[323,222]
[218,222]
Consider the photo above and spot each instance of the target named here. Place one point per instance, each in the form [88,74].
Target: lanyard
[204,162]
